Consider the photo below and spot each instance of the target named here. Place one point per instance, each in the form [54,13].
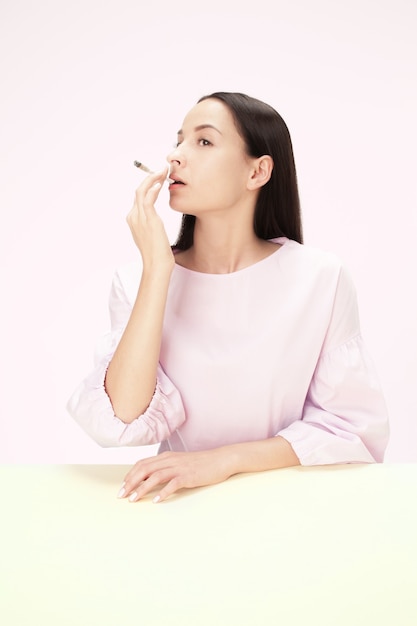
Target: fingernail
[156,499]
[121,492]
[133,496]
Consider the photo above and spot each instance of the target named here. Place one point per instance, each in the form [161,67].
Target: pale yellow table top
[330,546]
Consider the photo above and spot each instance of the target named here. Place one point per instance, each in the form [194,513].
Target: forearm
[206,467]
[131,375]
[259,456]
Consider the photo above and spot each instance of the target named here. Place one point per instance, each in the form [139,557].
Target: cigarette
[143,167]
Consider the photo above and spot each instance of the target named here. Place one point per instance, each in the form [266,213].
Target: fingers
[170,488]
[148,191]
[150,198]
[146,225]
[145,467]
[150,180]
[148,485]
[147,474]
[145,197]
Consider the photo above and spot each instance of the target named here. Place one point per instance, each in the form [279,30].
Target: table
[321,546]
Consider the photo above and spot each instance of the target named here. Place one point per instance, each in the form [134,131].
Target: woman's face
[210,162]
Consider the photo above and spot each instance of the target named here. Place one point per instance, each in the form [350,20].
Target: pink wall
[87,87]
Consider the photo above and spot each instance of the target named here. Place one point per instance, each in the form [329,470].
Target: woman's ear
[261,172]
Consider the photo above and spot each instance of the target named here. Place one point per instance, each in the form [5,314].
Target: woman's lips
[175,182]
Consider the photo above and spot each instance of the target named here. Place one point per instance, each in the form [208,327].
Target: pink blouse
[273,349]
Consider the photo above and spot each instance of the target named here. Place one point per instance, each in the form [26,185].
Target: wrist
[231,459]
[159,270]
[258,456]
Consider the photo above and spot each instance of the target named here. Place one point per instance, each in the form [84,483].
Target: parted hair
[277,210]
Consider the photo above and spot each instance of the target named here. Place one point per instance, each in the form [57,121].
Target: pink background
[89,86]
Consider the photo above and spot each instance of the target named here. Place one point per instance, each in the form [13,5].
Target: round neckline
[280,240]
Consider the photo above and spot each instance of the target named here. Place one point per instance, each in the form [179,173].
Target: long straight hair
[277,210]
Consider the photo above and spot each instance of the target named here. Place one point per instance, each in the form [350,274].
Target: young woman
[239,348]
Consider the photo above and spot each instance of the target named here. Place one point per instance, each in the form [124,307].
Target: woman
[239,348]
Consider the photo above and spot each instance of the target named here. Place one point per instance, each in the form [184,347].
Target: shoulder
[307,253]
[308,260]
[325,277]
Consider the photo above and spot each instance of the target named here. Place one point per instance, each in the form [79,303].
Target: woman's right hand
[147,227]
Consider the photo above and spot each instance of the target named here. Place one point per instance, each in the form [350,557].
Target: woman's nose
[175,155]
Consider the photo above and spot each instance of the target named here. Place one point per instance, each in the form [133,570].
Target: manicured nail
[156,499]
[121,492]
[133,496]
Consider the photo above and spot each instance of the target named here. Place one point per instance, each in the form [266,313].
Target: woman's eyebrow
[201,127]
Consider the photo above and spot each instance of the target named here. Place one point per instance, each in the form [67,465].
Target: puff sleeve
[344,417]
[90,405]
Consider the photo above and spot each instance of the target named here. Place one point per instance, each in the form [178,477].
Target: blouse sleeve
[344,418]
[91,407]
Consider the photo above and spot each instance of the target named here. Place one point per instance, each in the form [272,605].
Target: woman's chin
[177,209]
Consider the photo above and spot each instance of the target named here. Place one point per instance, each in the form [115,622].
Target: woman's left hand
[176,470]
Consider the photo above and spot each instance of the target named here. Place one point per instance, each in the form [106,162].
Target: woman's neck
[222,248]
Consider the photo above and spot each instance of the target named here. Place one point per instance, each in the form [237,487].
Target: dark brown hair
[277,210]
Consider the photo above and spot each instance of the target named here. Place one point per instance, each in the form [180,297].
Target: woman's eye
[201,142]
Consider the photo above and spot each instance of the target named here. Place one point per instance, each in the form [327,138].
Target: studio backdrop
[88,86]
